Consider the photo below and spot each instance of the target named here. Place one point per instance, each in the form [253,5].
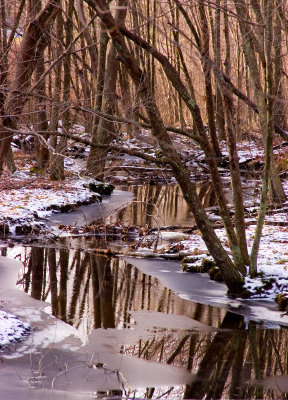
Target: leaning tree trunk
[203,141]
[231,276]
[33,43]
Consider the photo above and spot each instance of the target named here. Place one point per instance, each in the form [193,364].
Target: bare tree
[32,44]
[230,273]
[106,129]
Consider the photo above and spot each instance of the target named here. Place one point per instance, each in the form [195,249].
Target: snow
[11,329]
[272,259]
[24,205]
[34,204]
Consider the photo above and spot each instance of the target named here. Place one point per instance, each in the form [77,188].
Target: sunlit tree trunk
[230,274]
[58,165]
[56,51]
[126,99]
[208,81]
[280,109]
[88,85]
[250,46]
[268,128]
[33,43]
[106,129]
[210,156]
[219,108]
[237,191]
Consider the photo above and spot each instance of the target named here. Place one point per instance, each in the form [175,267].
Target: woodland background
[208,70]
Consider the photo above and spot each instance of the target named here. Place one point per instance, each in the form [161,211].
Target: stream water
[204,351]
[152,205]
[143,335]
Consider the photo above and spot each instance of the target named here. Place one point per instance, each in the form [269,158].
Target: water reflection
[91,291]
[228,357]
[152,205]
[160,205]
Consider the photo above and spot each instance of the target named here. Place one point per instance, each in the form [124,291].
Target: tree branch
[112,147]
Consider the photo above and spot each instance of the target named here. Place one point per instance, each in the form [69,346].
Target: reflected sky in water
[225,354]
[139,205]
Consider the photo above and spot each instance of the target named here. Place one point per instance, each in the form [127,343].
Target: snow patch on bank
[11,329]
[34,205]
[272,260]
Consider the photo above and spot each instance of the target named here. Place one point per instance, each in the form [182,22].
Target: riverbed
[126,327]
[129,327]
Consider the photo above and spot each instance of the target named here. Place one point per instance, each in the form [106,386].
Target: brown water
[143,337]
[151,205]
[213,353]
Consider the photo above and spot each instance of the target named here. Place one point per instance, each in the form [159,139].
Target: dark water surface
[144,336]
[216,354]
[152,205]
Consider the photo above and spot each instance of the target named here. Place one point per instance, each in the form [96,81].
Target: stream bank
[129,327]
[122,327]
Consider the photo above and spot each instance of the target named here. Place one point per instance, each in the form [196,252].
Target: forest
[143,146]
[212,72]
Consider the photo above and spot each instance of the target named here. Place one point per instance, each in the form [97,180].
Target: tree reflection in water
[158,205]
[91,291]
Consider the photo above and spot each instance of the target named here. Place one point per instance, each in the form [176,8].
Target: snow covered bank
[272,260]
[11,329]
[27,201]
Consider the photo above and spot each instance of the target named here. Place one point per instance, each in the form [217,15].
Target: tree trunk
[219,107]
[56,95]
[208,82]
[236,184]
[33,43]
[269,125]
[41,120]
[250,46]
[106,129]
[232,277]
[280,109]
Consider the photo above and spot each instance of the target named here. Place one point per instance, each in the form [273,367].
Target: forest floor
[28,198]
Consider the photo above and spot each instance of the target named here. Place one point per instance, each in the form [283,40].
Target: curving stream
[113,328]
